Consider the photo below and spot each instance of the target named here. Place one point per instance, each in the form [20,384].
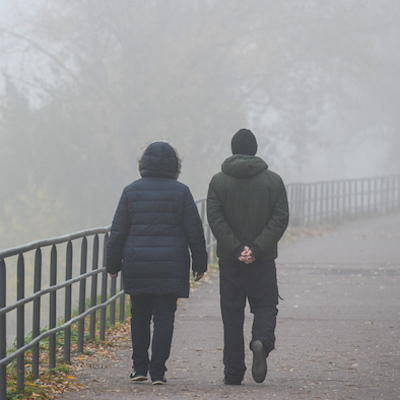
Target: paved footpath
[338,332]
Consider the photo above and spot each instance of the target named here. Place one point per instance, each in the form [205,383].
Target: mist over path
[337,334]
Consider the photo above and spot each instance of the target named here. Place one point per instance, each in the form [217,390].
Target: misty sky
[317,82]
[339,157]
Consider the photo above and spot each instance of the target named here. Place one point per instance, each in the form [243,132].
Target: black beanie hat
[244,142]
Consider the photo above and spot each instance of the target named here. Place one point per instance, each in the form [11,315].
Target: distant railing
[108,297]
[310,203]
[332,202]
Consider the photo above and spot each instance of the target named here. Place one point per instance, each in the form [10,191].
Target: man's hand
[247,256]
[197,276]
[113,275]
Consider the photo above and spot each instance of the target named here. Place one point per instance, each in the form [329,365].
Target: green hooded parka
[247,206]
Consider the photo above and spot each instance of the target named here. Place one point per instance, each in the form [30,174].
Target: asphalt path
[338,331]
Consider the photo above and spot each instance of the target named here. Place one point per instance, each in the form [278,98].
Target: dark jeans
[257,283]
[162,309]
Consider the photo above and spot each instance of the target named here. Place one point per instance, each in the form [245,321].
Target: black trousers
[162,311]
[239,282]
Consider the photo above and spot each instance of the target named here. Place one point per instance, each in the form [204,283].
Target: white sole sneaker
[160,382]
[137,378]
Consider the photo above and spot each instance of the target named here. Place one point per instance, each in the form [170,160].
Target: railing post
[53,308]
[362,203]
[336,203]
[343,201]
[369,196]
[356,209]
[298,203]
[103,312]
[333,202]
[321,201]
[121,302]
[392,188]
[303,204]
[82,295]
[67,303]
[398,192]
[376,203]
[315,203]
[93,294]
[351,198]
[203,211]
[213,247]
[112,305]
[208,235]
[37,285]
[397,196]
[328,202]
[295,205]
[308,201]
[3,331]
[348,197]
[20,322]
[385,193]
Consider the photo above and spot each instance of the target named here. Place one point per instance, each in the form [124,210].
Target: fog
[85,85]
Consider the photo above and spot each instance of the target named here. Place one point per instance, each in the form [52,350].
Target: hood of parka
[159,160]
[243,166]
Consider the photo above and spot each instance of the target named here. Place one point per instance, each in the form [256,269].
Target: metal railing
[332,202]
[108,297]
[310,203]
[52,290]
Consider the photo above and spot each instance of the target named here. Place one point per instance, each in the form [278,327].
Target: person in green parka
[248,213]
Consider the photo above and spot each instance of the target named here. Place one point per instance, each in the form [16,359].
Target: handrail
[330,202]
[50,289]
[310,203]
[51,241]
[59,328]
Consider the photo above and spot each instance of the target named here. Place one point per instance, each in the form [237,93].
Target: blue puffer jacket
[155,224]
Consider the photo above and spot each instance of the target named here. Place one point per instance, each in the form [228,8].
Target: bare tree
[106,77]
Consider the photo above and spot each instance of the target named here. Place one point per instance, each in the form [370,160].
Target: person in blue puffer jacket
[156,235]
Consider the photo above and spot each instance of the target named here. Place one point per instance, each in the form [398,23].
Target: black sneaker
[161,381]
[137,377]
[259,369]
